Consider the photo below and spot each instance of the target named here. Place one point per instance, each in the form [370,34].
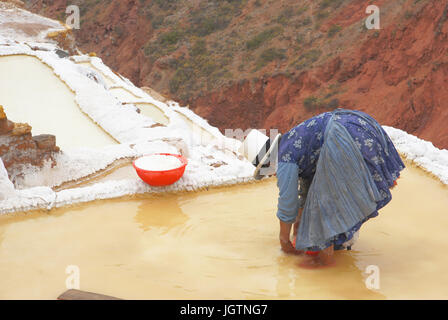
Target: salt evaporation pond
[222,244]
[151,111]
[32,93]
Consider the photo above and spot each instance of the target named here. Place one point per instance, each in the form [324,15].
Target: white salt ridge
[197,177]
[423,153]
[158,162]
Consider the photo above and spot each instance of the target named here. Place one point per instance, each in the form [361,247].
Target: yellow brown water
[32,93]
[223,244]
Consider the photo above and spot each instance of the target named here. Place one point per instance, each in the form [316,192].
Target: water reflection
[343,281]
[161,212]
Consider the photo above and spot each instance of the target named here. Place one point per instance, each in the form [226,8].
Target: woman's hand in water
[285,230]
[287,246]
[285,242]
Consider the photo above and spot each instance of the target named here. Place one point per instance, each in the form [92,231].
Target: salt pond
[151,111]
[30,92]
[222,244]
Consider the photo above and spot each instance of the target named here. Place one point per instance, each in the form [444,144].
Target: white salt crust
[158,162]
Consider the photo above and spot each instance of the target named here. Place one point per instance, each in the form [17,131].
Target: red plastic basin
[165,177]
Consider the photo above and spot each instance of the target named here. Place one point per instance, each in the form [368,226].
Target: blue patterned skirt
[381,160]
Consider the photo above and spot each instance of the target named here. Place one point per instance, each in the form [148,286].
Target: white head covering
[262,152]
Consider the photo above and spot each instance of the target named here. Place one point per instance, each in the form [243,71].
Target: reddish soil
[399,77]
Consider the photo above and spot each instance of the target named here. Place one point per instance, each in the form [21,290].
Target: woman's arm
[288,202]
[285,231]
[288,196]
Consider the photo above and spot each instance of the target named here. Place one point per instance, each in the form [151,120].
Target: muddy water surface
[222,244]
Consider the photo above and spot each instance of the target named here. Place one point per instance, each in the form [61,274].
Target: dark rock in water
[62,54]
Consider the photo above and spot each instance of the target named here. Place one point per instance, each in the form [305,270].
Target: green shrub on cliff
[307,59]
[263,37]
[284,17]
[198,69]
[269,55]
[313,103]
[213,16]
[333,3]
[165,44]
[170,37]
[199,48]
[166,4]
[333,30]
